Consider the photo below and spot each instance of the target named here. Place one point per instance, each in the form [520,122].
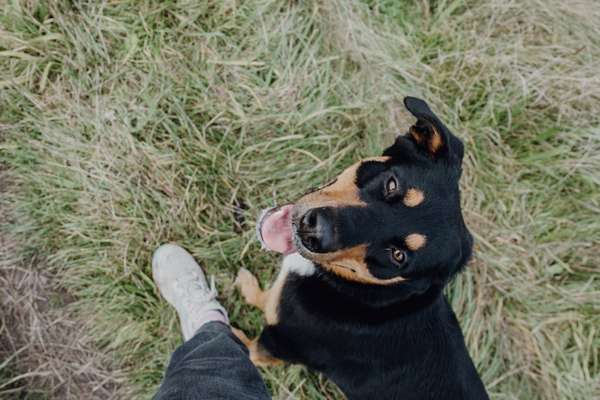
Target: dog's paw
[248,286]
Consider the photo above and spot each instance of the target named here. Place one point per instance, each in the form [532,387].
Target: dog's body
[359,296]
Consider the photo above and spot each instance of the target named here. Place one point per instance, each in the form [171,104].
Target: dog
[366,257]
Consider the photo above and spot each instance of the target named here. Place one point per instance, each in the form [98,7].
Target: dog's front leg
[248,286]
[268,302]
[258,354]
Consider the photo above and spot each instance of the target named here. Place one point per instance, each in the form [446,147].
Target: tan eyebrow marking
[413,197]
[415,241]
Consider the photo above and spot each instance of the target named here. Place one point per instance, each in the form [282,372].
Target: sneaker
[182,283]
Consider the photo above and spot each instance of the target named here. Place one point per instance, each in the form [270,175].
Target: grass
[129,124]
[45,349]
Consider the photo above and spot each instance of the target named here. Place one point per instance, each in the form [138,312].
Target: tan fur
[274,297]
[258,354]
[248,286]
[413,197]
[415,241]
[417,135]
[268,300]
[342,192]
[434,142]
[350,264]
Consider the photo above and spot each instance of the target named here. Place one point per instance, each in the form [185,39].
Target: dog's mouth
[275,229]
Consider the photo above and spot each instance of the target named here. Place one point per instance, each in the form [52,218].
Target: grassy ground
[126,124]
[45,350]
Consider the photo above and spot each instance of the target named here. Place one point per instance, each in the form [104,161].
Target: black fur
[399,341]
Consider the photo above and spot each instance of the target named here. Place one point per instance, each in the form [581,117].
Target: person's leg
[212,363]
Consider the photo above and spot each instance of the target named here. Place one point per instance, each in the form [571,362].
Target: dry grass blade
[128,124]
[46,351]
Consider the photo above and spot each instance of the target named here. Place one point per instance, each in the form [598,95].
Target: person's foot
[182,283]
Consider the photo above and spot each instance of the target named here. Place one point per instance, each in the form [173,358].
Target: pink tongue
[276,230]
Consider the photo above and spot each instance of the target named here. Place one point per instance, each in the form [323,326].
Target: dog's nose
[316,230]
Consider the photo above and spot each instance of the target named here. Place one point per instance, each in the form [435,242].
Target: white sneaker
[182,283]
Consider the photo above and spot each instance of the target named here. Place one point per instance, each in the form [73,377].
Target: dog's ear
[429,134]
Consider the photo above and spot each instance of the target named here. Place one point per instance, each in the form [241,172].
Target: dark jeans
[213,364]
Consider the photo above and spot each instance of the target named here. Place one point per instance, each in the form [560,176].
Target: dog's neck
[433,362]
[383,301]
[426,359]
[397,347]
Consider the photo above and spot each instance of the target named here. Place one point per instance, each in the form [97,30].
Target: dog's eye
[399,256]
[391,186]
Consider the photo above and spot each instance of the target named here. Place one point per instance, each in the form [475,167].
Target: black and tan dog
[366,258]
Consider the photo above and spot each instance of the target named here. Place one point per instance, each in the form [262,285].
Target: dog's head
[393,220]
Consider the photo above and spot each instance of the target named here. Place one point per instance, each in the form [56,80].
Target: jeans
[213,364]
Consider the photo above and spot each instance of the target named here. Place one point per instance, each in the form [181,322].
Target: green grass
[129,124]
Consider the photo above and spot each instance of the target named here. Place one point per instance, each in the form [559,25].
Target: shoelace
[196,294]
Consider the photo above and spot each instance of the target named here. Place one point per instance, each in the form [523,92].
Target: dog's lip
[300,248]
[261,220]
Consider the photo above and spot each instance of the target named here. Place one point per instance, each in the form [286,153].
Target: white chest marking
[298,264]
